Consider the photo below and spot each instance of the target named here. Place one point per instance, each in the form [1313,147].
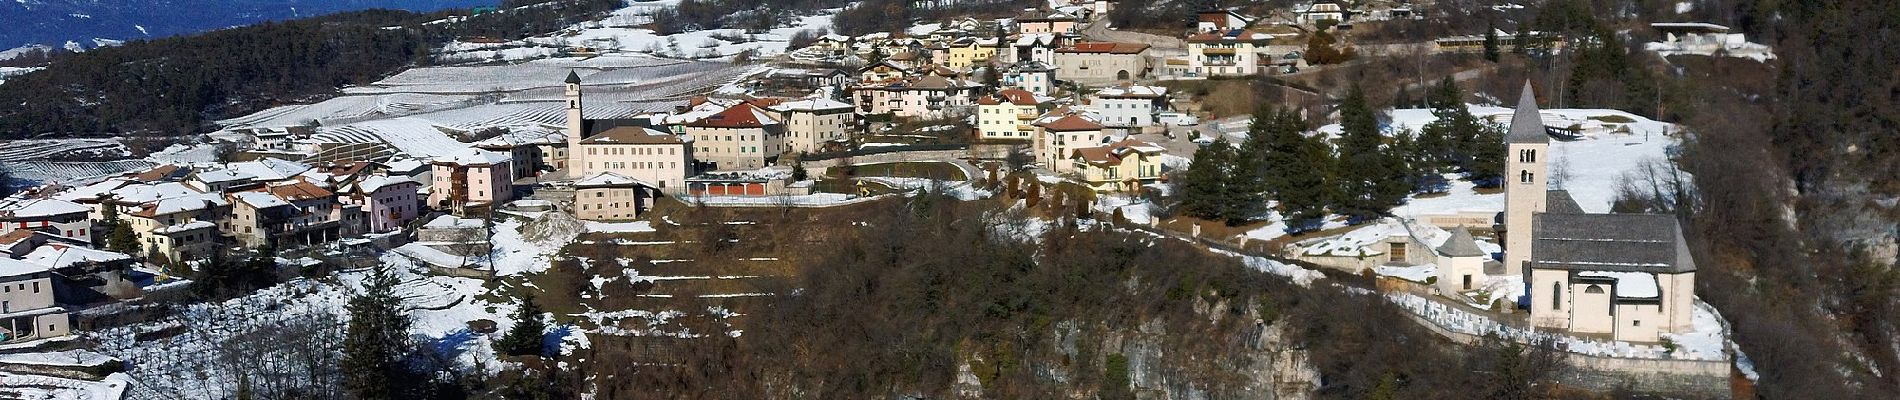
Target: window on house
[1556,295]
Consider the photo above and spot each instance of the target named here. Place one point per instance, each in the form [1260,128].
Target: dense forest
[177,85]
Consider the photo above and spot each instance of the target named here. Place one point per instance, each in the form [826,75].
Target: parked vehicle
[1177,119]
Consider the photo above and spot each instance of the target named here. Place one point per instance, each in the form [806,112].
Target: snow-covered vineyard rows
[63,172]
[37,149]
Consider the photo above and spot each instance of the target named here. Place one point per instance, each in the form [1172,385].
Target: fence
[882,150]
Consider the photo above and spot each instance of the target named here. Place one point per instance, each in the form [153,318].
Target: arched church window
[1556,295]
[1593,289]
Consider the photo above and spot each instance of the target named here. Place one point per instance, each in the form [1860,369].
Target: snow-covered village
[1087,199]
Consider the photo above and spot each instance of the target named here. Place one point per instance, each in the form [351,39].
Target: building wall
[807,131]
[1590,311]
[1126,112]
[1245,59]
[1041,83]
[663,165]
[1053,148]
[24,293]
[1452,272]
[1099,68]
[1136,166]
[1048,27]
[737,148]
[389,207]
[484,184]
[1005,121]
[918,103]
[77,225]
[962,58]
[1678,302]
[1544,313]
[608,204]
[244,225]
[1639,322]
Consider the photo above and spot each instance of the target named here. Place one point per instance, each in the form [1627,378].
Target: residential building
[1007,115]
[535,149]
[740,137]
[934,97]
[1046,21]
[178,228]
[1129,105]
[811,123]
[1093,63]
[970,52]
[388,202]
[1040,47]
[652,156]
[1060,132]
[289,213]
[1034,76]
[1234,52]
[27,309]
[1122,166]
[54,216]
[1314,14]
[471,182]
[608,196]
[1220,20]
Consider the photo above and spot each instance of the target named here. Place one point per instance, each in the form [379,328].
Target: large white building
[1129,105]
[1007,115]
[1059,133]
[812,122]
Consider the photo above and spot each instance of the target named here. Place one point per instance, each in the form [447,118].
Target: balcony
[1025,116]
[1218,51]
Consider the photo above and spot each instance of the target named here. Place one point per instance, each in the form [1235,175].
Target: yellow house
[967,53]
[1118,167]
[1007,115]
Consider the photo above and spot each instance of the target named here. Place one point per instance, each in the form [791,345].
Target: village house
[1327,12]
[1007,115]
[1233,52]
[471,182]
[1220,20]
[970,52]
[656,157]
[1046,21]
[289,213]
[1094,63]
[1034,76]
[1032,47]
[608,196]
[1060,132]
[1129,105]
[389,202]
[742,136]
[811,123]
[535,149]
[178,228]
[54,216]
[27,309]
[1122,166]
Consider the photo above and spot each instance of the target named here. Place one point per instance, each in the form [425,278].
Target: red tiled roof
[743,115]
[1072,123]
[1104,48]
[1018,97]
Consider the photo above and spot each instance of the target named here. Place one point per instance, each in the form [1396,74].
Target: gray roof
[1609,242]
[573,77]
[1526,125]
[1460,245]
[1559,202]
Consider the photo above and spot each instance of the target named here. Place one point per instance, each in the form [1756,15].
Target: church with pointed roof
[1627,276]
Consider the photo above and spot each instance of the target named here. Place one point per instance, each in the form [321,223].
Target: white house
[1007,115]
[1129,105]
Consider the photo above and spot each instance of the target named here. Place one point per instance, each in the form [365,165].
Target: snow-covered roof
[526,135]
[260,199]
[17,208]
[150,192]
[450,221]
[607,179]
[11,268]
[1131,91]
[374,182]
[222,175]
[184,227]
[474,157]
[94,191]
[58,256]
[269,169]
[178,204]
[810,104]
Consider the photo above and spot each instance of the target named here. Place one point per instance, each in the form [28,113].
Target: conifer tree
[1371,178]
[376,340]
[1491,51]
[1488,163]
[525,337]
[1451,139]
[1245,188]
[1206,181]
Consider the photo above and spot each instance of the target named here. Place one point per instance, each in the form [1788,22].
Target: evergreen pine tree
[1487,164]
[121,238]
[1206,181]
[1310,186]
[258,272]
[1403,99]
[525,337]
[1523,39]
[1491,51]
[1246,184]
[1371,179]
[376,340]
